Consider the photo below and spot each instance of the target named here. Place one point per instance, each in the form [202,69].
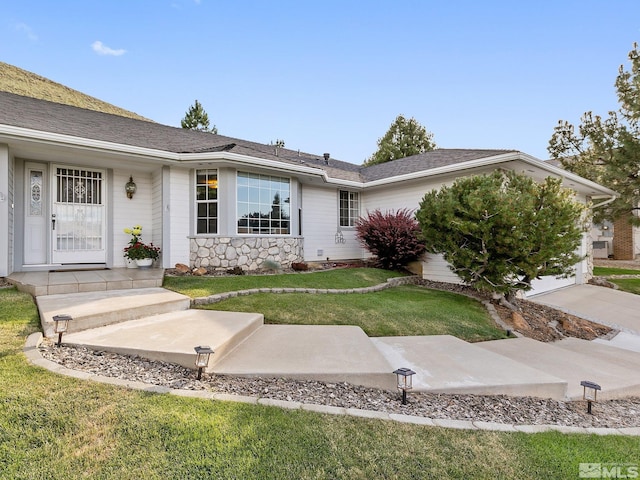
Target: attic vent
[326,158]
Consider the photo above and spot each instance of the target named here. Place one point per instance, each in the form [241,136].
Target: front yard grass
[398,311]
[608,271]
[631,285]
[55,427]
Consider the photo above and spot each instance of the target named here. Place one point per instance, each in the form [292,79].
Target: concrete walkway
[158,324]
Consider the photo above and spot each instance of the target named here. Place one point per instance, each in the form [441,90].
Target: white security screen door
[77,218]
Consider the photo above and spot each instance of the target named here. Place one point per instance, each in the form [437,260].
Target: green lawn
[405,310]
[338,278]
[54,427]
[607,271]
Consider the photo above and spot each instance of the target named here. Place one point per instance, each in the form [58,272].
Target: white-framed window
[207,201]
[263,204]
[349,208]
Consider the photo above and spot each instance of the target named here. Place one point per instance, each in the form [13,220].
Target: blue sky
[331,76]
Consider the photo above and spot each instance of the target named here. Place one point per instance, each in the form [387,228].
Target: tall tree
[607,150]
[501,231]
[403,139]
[197,119]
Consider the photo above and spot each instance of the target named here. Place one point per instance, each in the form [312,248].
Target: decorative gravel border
[34,356]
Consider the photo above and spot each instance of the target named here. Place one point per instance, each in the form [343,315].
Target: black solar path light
[203,353]
[61,325]
[405,382]
[589,393]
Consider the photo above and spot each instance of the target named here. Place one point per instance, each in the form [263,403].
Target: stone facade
[248,253]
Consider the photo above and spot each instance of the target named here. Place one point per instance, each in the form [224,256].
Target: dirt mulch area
[533,320]
[547,324]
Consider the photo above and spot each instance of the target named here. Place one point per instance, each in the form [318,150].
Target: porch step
[446,364]
[171,337]
[576,360]
[40,283]
[97,309]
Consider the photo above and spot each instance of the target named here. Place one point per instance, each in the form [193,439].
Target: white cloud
[102,49]
[27,30]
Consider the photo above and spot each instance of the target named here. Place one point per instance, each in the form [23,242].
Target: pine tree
[403,139]
[501,231]
[607,150]
[197,119]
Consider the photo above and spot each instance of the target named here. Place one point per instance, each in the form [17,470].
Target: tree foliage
[403,139]
[607,150]
[501,231]
[394,238]
[197,119]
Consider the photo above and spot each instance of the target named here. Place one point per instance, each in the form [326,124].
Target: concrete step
[575,363]
[446,364]
[96,309]
[171,337]
[328,353]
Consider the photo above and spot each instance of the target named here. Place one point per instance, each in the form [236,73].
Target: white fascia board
[561,172]
[38,136]
[86,143]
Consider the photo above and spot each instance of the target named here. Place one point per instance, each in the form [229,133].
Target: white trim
[238,159]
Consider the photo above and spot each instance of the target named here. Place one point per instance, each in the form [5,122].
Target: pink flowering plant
[137,249]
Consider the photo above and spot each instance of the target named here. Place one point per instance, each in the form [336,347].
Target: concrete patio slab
[86,280]
[444,363]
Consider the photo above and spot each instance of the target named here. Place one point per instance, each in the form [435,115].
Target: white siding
[129,212]
[156,208]
[320,225]
[180,196]
[436,268]
[6,214]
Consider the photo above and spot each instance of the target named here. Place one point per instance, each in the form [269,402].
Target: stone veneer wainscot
[249,253]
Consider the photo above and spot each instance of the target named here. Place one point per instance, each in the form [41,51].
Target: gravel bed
[488,408]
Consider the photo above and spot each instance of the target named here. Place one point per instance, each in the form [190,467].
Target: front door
[78,216]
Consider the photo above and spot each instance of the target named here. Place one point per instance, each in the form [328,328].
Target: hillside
[21,82]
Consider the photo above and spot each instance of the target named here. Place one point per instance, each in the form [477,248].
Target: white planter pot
[130,263]
[144,262]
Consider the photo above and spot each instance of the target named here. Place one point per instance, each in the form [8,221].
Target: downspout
[606,202]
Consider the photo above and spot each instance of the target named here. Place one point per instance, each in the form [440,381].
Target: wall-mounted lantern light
[405,381]
[589,392]
[203,353]
[61,325]
[130,187]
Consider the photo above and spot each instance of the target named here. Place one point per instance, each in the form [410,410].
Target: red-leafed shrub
[394,238]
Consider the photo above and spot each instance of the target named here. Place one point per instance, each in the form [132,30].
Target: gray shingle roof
[426,161]
[42,115]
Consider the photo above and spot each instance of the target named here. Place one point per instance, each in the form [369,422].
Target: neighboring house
[619,240]
[207,200]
